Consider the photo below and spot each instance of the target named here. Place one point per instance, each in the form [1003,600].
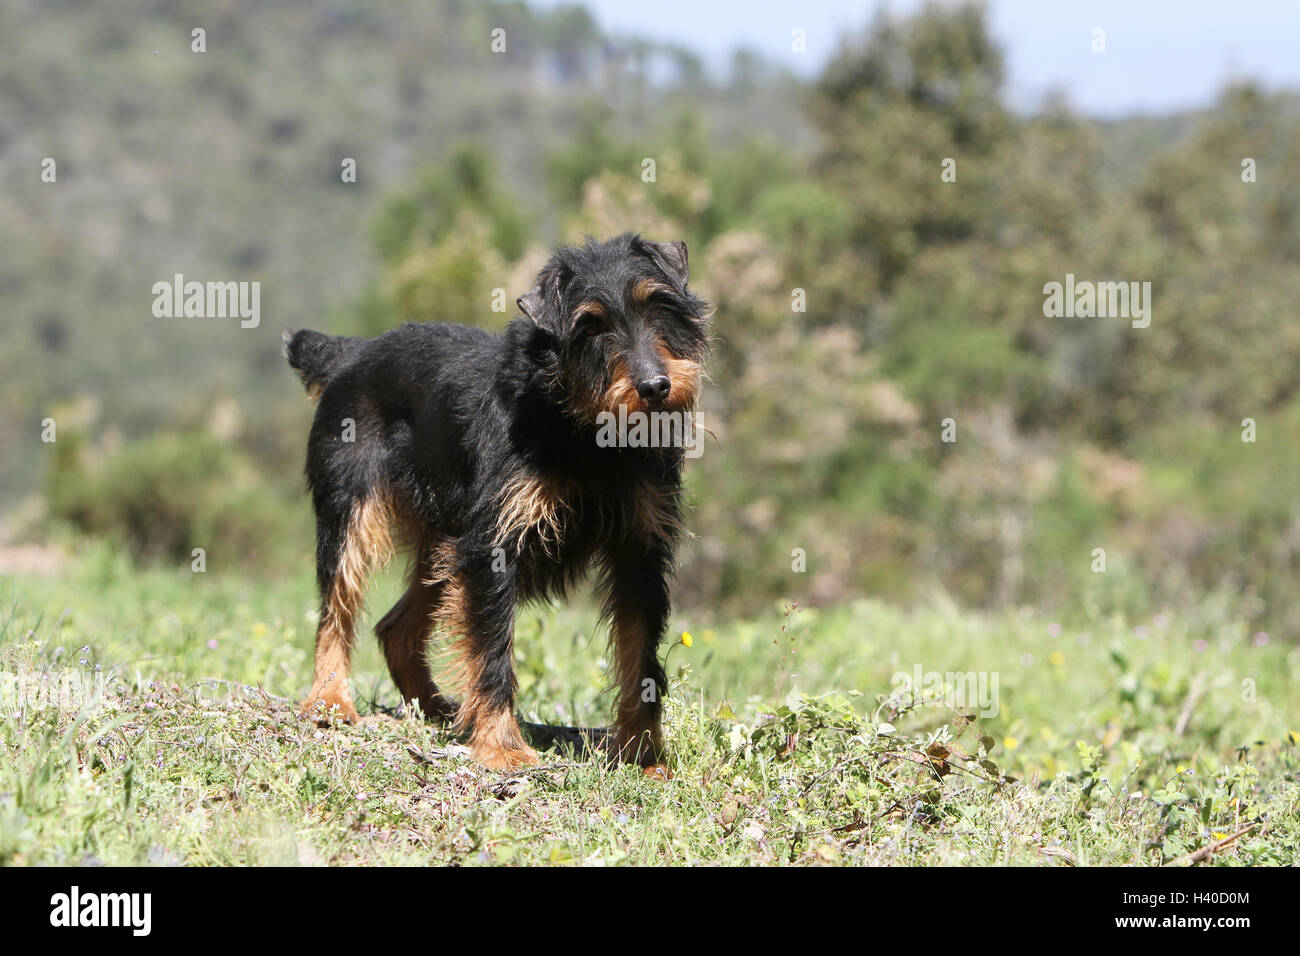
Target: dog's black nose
[654,389]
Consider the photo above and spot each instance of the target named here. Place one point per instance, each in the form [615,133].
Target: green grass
[147,719]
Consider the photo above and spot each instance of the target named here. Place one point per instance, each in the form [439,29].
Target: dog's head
[626,329]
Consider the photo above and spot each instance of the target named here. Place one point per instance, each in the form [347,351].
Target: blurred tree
[427,213]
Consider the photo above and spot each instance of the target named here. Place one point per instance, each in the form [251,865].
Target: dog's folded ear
[541,303]
[672,258]
[532,303]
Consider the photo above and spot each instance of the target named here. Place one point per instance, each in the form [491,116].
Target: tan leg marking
[366,546]
[637,736]
[405,630]
[494,735]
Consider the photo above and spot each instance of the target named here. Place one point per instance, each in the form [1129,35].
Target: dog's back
[401,359]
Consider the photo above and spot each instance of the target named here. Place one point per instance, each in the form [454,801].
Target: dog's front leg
[484,605]
[637,608]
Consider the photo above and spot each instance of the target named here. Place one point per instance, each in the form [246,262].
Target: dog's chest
[552,520]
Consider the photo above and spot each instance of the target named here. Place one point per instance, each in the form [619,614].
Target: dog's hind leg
[405,630]
[351,541]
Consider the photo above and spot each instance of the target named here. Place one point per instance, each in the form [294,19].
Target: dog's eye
[589,327]
[672,318]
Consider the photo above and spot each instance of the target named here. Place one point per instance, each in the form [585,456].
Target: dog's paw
[440,709]
[328,711]
[503,758]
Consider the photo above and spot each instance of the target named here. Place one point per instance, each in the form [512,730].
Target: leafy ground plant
[148,719]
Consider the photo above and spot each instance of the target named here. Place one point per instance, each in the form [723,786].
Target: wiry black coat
[449,423]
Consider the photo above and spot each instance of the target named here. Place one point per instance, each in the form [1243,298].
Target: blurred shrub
[163,496]
[427,213]
[453,280]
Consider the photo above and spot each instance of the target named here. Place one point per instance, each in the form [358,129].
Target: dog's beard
[684,391]
[618,391]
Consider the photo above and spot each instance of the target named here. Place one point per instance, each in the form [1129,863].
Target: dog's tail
[316,356]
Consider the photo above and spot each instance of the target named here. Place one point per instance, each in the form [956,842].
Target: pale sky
[1161,55]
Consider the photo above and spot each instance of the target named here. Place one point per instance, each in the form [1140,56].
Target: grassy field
[147,719]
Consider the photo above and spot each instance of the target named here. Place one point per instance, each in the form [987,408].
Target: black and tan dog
[479,452]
